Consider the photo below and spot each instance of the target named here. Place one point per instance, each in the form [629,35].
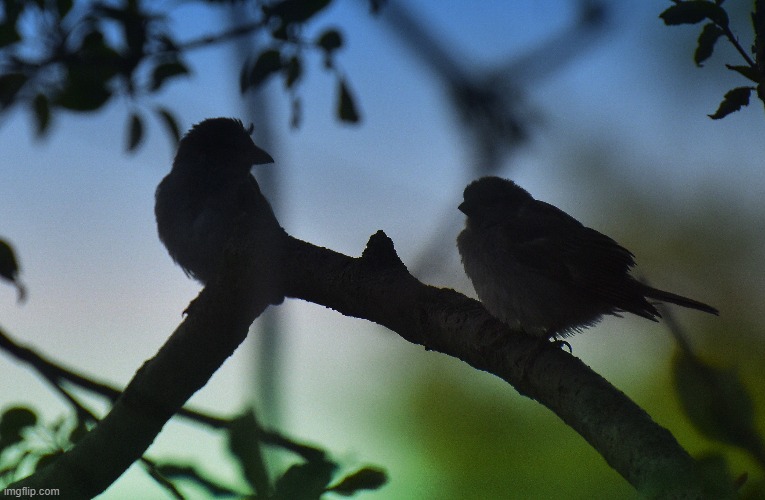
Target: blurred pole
[267,330]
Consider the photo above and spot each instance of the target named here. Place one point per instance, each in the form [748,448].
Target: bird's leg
[543,344]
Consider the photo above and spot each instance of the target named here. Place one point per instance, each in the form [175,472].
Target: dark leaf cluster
[717,25]
[314,475]
[720,407]
[717,403]
[26,445]
[57,56]
[285,59]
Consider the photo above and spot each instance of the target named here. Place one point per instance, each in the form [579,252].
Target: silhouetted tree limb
[218,322]
[377,287]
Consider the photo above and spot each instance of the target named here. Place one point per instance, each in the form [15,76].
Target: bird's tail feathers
[673,298]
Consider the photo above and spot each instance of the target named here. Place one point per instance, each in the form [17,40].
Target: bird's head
[492,197]
[220,144]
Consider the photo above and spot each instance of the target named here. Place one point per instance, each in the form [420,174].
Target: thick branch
[378,287]
[218,322]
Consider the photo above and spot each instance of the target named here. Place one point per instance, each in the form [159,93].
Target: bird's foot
[543,345]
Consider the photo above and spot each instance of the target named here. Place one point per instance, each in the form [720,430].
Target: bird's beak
[463,208]
[259,156]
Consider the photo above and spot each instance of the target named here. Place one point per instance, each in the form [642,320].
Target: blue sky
[103,294]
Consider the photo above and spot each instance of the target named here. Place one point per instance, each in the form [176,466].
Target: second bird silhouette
[536,268]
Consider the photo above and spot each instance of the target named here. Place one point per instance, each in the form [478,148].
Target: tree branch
[218,322]
[56,375]
[377,287]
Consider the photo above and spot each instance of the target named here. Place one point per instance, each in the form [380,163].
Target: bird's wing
[554,244]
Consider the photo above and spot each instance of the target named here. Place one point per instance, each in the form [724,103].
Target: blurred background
[595,108]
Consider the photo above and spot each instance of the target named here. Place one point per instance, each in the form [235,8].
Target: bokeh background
[616,134]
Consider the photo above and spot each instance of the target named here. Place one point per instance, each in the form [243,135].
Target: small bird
[209,196]
[536,268]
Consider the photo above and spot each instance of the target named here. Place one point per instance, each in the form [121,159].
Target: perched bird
[209,198]
[536,268]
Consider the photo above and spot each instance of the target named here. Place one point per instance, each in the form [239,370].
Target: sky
[104,295]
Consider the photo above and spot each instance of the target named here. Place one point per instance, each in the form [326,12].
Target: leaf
[746,71]
[330,40]
[716,402]
[13,421]
[694,11]
[170,123]
[10,465]
[9,266]
[135,131]
[162,72]
[95,60]
[8,33]
[296,112]
[9,270]
[706,44]
[376,5]
[41,112]
[306,481]
[268,62]
[81,93]
[295,11]
[346,107]
[63,7]
[244,75]
[244,443]
[12,10]
[133,21]
[10,84]
[733,100]
[294,71]
[368,478]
